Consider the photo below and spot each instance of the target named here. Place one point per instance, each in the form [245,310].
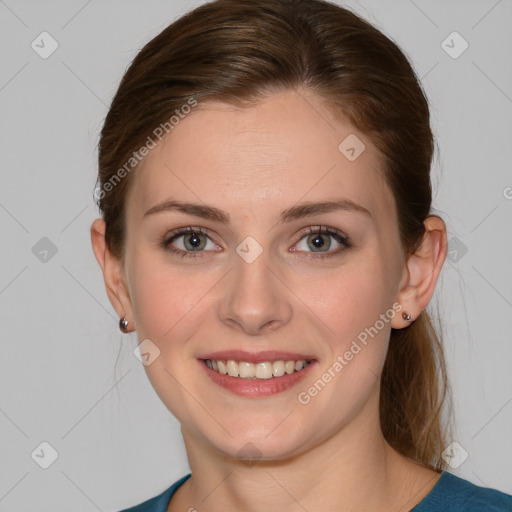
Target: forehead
[286,148]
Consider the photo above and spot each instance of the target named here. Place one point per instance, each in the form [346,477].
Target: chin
[255,444]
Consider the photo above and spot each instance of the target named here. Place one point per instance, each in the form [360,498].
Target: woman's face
[261,283]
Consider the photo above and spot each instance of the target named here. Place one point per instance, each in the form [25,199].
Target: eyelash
[341,239]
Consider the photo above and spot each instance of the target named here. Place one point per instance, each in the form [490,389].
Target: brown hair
[237,51]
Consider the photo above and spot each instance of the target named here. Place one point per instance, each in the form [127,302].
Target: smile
[263,370]
[267,374]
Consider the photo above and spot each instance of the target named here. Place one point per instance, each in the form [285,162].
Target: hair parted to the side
[238,51]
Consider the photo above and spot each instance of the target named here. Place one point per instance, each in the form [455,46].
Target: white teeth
[290,366]
[232,367]
[222,367]
[246,370]
[278,369]
[263,370]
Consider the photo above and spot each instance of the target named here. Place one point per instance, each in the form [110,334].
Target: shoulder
[454,494]
[158,503]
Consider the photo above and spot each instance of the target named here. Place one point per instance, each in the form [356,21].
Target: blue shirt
[450,494]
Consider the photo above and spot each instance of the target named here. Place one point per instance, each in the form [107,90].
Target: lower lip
[257,387]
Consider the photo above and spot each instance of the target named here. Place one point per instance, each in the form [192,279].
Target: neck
[355,469]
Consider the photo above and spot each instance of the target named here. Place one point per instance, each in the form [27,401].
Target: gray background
[61,380]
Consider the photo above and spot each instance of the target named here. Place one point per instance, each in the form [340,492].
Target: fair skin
[252,163]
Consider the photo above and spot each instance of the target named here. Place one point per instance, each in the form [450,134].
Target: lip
[255,388]
[257,357]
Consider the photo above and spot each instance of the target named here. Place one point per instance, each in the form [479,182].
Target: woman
[267,231]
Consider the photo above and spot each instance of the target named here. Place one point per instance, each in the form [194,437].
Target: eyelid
[176,233]
[339,236]
[312,230]
[342,239]
[180,232]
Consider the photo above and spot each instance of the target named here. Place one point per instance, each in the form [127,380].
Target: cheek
[167,302]
[168,306]
[351,298]
[356,305]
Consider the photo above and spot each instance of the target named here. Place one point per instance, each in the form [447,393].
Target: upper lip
[256,357]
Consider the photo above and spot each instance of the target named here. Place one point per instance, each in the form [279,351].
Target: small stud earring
[123,324]
[406,317]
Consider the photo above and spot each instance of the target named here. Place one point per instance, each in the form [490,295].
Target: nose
[255,298]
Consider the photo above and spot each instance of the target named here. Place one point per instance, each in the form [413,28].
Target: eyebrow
[296,212]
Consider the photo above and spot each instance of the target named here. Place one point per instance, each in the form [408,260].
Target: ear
[421,271]
[113,274]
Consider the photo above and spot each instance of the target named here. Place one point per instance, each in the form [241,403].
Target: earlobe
[112,269]
[423,269]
